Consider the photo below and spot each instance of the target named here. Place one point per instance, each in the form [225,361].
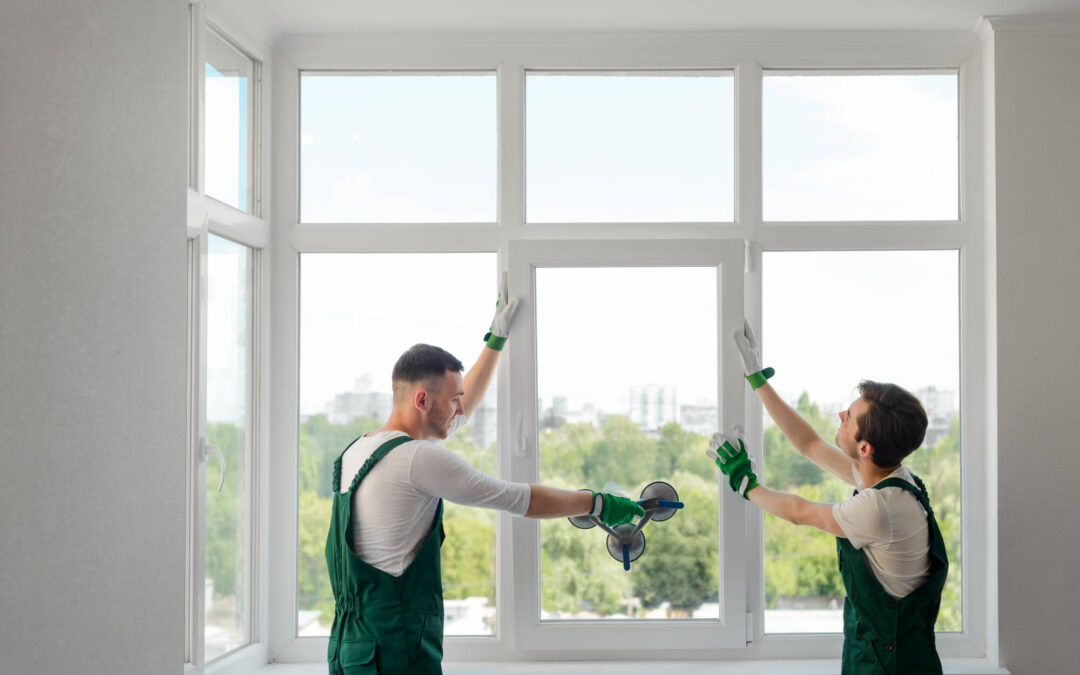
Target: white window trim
[748,54]
[208,216]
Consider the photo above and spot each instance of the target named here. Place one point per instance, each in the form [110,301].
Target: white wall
[92,336]
[1037,87]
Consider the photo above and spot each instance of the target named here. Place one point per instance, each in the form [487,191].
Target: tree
[681,562]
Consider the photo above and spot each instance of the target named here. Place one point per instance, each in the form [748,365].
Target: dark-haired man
[892,556]
[386,527]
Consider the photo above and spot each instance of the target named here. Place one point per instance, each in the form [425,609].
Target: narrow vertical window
[228,430]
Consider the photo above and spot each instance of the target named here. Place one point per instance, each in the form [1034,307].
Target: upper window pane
[860,147]
[397,148]
[228,150]
[617,147]
[908,302]
[353,328]
[642,413]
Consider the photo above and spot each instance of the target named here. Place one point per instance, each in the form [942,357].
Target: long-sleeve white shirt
[393,509]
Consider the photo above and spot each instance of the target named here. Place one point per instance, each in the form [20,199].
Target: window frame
[748,54]
[607,640]
[205,216]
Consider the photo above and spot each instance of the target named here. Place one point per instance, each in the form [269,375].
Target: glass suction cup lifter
[626,542]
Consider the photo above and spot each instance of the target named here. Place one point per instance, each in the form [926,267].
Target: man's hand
[613,510]
[505,306]
[750,351]
[735,464]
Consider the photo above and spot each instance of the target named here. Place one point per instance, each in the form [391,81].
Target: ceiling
[341,16]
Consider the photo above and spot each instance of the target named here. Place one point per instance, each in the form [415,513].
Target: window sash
[522,456]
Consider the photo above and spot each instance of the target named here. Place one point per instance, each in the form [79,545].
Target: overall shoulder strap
[380,452]
[335,484]
[918,492]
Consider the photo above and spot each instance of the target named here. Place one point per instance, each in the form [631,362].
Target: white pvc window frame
[608,640]
[747,54]
[206,216]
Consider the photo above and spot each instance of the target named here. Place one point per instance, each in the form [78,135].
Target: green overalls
[382,624]
[883,634]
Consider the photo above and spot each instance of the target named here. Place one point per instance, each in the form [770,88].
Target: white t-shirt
[395,505]
[889,526]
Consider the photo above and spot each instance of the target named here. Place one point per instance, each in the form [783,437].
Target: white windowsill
[786,667]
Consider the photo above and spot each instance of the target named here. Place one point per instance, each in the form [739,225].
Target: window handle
[207,450]
[521,448]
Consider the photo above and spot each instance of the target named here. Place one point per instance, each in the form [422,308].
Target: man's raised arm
[802,435]
[479,376]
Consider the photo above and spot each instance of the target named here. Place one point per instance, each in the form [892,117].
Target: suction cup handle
[626,557]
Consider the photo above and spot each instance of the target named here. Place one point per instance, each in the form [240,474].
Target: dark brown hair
[894,424]
[423,363]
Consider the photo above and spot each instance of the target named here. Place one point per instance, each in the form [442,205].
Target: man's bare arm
[549,502]
[795,509]
[805,437]
[478,379]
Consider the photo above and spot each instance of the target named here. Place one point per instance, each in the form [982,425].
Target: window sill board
[785,667]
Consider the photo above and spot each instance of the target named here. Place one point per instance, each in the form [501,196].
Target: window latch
[207,449]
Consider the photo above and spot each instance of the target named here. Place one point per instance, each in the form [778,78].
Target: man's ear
[420,398]
[865,449]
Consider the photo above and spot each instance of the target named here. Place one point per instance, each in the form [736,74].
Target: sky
[601,148]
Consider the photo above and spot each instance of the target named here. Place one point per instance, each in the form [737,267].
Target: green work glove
[505,306]
[735,464]
[750,351]
[613,510]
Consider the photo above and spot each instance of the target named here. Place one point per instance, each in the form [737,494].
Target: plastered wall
[93,147]
[1037,111]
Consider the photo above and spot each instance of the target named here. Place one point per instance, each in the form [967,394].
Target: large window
[643,200]
[642,413]
[830,320]
[352,330]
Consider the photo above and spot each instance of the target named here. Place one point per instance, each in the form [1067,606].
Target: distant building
[559,413]
[940,407]
[699,419]
[483,425]
[652,406]
[348,406]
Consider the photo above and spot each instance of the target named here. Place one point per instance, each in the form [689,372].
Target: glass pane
[860,147]
[901,309]
[641,413]
[228,535]
[358,313]
[632,148]
[397,148]
[228,145]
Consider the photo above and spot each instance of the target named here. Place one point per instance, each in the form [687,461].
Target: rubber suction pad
[636,541]
[661,490]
